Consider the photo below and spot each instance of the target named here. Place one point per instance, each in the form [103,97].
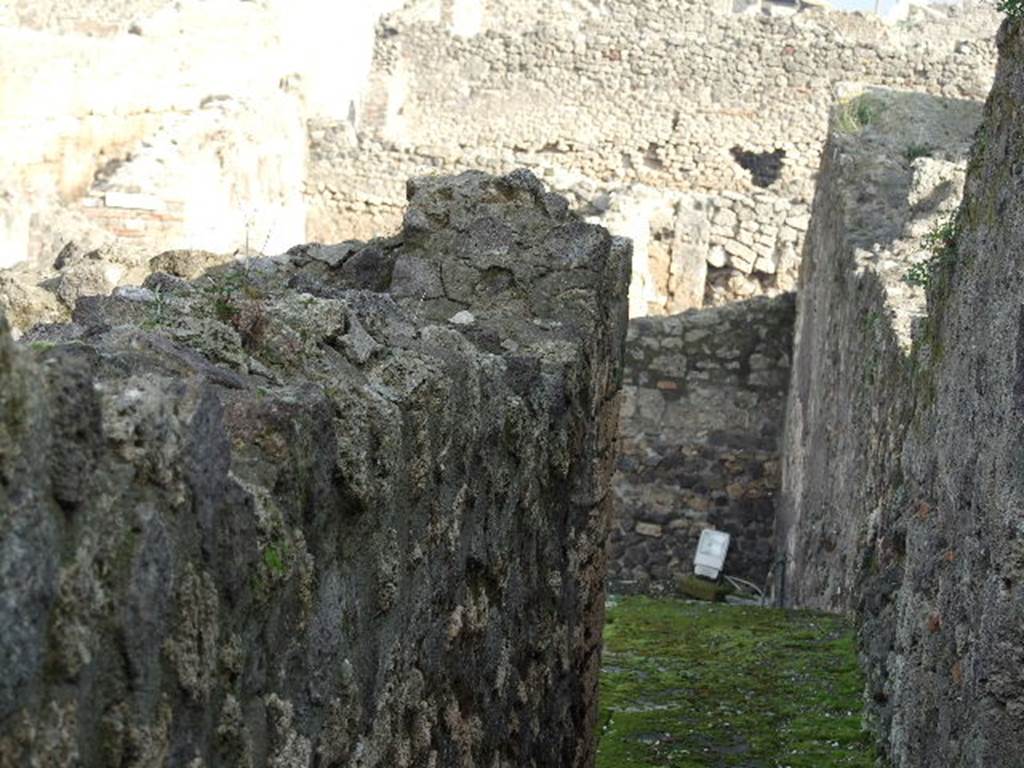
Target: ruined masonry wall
[96,18]
[705,393]
[225,176]
[903,486]
[93,85]
[652,94]
[325,509]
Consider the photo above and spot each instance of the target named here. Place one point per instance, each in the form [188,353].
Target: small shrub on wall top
[1012,8]
[858,113]
[914,151]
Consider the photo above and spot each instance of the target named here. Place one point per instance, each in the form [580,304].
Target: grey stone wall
[343,507]
[704,398]
[902,475]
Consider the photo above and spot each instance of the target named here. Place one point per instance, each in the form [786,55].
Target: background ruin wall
[704,397]
[642,111]
[692,130]
[167,124]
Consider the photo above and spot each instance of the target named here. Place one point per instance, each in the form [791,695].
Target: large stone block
[280,516]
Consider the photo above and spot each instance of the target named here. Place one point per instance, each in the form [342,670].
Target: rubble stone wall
[902,481]
[98,18]
[611,100]
[90,87]
[705,393]
[347,506]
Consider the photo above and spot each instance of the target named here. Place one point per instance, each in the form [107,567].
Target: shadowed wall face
[903,486]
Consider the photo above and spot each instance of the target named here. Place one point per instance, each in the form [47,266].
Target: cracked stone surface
[286,513]
[903,483]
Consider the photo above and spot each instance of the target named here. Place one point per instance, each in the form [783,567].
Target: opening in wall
[765,167]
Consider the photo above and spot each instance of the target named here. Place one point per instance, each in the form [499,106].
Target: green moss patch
[703,589]
[699,684]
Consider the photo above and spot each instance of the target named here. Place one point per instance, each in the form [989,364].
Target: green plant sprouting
[273,557]
[914,151]
[941,243]
[858,113]
[224,292]
[157,310]
[1012,8]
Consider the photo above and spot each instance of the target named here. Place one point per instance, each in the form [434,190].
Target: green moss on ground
[694,586]
[697,684]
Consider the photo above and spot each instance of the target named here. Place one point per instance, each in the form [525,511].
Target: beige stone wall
[607,99]
[91,85]
[96,18]
[228,175]
[632,109]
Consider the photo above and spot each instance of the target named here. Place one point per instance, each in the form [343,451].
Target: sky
[864,5]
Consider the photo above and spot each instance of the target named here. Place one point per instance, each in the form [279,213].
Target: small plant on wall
[859,112]
[941,243]
[914,151]
[1012,8]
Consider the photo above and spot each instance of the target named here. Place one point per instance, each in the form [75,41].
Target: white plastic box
[711,551]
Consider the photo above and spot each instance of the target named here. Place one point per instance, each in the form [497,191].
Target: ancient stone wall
[225,176]
[347,506]
[614,99]
[902,481]
[97,18]
[705,392]
[141,86]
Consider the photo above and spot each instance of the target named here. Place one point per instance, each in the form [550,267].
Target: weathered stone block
[227,538]
[652,530]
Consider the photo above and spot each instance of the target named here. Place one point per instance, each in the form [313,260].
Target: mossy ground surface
[698,684]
